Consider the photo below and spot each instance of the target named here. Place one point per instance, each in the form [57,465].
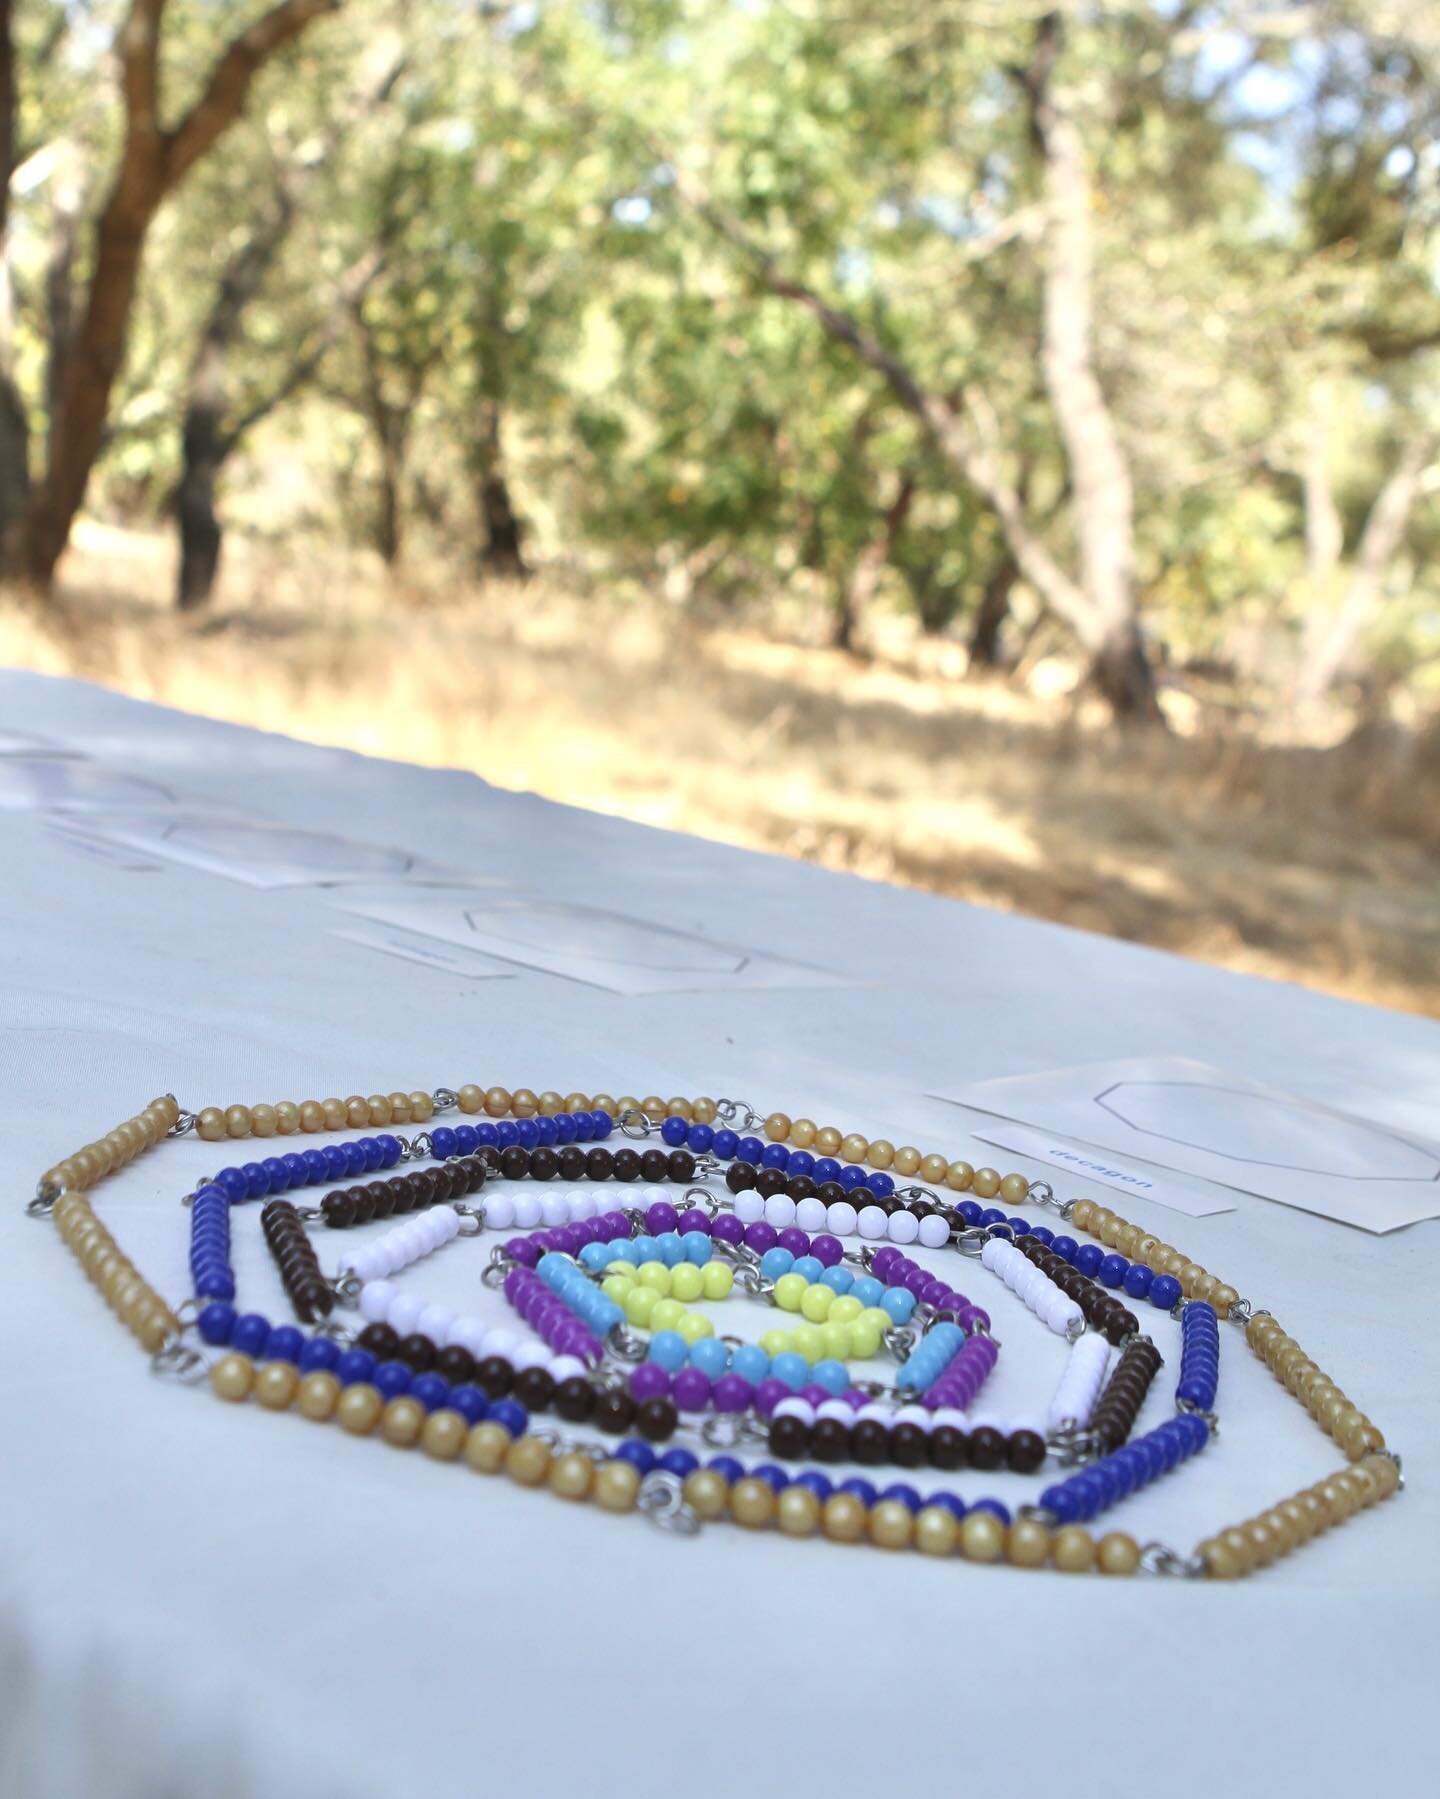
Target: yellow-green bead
[839,1340]
[717,1278]
[616,1287]
[790,1291]
[816,1303]
[693,1326]
[666,1315]
[846,1309]
[686,1283]
[656,1275]
[864,1339]
[640,1303]
[806,1340]
[626,1270]
[775,1342]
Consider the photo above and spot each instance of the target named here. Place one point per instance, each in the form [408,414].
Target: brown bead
[614,1410]
[987,1448]
[535,1389]
[495,1377]
[790,1438]
[947,1447]
[833,1441]
[869,1441]
[657,1419]
[574,1399]
[909,1445]
[456,1364]
[417,1352]
[627,1165]
[1024,1451]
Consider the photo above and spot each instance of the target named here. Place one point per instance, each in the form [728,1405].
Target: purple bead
[522,1249]
[617,1224]
[727,1228]
[827,1250]
[662,1216]
[971,1316]
[884,1259]
[694,1220]
[649,1381]
[795,1240]
[854,1397]
[732,1393]
[917,1281]
[815,1394]
[935,1293]
[761,1236]
[691,1390]
[768,1395]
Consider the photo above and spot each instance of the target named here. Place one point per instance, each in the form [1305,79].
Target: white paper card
[449,958]
[582,943]
[60,781]
[1086,1165]
[1223,1127]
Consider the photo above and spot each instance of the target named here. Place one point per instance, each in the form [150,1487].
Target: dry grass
[1318,866]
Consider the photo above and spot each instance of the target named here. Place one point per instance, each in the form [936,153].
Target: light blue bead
[792,1368]
[833,1375]
[551,1269]
[868,1290]
[710,1356]
[750,1362]
[595,1255]
[698,1247]
[838,1279]
[672,1250]
[776,1262]
[644,1249]
[899,1302]
[669,1349]
[811,1267]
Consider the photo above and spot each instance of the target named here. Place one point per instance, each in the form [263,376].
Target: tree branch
[139,44]
[229,85]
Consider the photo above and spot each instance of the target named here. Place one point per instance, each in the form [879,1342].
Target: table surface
[203,1600]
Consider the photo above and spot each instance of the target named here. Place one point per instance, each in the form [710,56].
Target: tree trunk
[195,515]
[14,426]
[501,551]
[994,610]
[858,591]
[389,518]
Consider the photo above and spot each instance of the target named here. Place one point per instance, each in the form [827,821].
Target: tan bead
[1125,1239]
[210,1125]
[907,1160]
[752,1502]
[486,1447]
[828,1140]
[652,1106]
[802,1132]
[677,1106]
[470,1098]
[1316,1517]
[399,1108]
[287,1118]
[1117,1553]
[357,1111]
[958,1177]
[1331,1410]
[1072,1550]
[378,1108]
[262,1120]
[1190,1276]
[704,1111]
[1361,1438]
[1354,1488]
[422,1107]
[275,1385]
[1082,1214]
[1384,1472]
[318,1396]
[937,1530]
[797,1512]
[312,1116]
[1221,1562]
[854,1148]
[335,1115]
[1334,1499]
[1266,1542]
[155,1324]
[617,1486]
[552,1102]
[1102,1223]
[985,1183]
[982,1537]
[572,1475]
[1283,1528]
[1014,1189]
[528,1461]
[843,1518]
[237,1121]
[881,1153]
[777,1127]
[707,1493]
[626,1103]
[1028,1545]
[523,1103]
[1145,1247]
[932,1170]
[443,1434]
[232,1377]
[891,1524]
[359,1409]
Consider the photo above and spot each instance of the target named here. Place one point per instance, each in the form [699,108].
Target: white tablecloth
[203,1600]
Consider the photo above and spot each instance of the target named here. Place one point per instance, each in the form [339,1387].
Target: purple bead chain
[897,1270]
[964,1377]
[550,1318]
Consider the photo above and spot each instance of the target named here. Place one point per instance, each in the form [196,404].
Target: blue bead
[432,1390]
[991,1215]
[728,1466]
[1113,1270]
[750,1362]
[672,1250]
[700,1137]
[1197,1390]
[546,1131]
[776,1262]
[776,1477]
[863,1489]
[354,1154]
[1061,1501]
[1002,1512]
[564,1129]
[466,1142]
[644,1249]
[749,1149]
[373,1154]
[801,1162]
[809,1268]
[510,1414]
[1020,1227]
[710,1356]
[506,1135]
[604,1124]
[725,1145]
[215,1324]
[670,1350]
[215,1286]
[317,1169]
[1065,1246]
[251,1334]
[529,1133]
[276,1173]
[294,1169]
[831,1374]
[1042,1233]
[698,1247]
[336,1165]
[1137,1280]
[952,1502]
[354,1365]
[681,1462]
[233,1183]
[838,1279]
[319,1355]
[285,1344]
[594,1255]
[470,1402]
[774,1155]
[393,1379]
[899,1302]
[1164,1291]
[868,1290]
[825,1169]
[819,1484]
[851,1178]
[674,1132]
[486,1136]
[791,1367]
[880,1183]
[392,1146]
[905,1493]
[971,1211]
[1087,1259]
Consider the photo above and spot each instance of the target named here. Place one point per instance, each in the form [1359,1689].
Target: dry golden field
[1314,865]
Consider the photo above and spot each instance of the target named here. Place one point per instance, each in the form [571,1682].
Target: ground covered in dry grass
[1319,866]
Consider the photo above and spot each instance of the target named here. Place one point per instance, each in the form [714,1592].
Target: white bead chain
[841,1219]
[406,1243]
[1080,1383]
[1056,1310]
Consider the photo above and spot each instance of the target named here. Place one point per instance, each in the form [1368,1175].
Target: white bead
[915,1414]
[555,1209]
[654,1196]
[1027,1421]
[527,1210]
[872,1222]
[584,1203]
[780,1211]
[902,1227]
[499,1340]
[874,1414]
[990,1254]
[947,1414]
[499,1210]
[405,1309]
[433,1322]
[533,1354]
[987,1421]
[447,1224]
[934,1232]
[375,1299]
[454,1331]
[749,1207]
[795,1408]
[841,1218]
[810,1214]
[470,1333]
[835,1408]
[367,1266]
[564,1367]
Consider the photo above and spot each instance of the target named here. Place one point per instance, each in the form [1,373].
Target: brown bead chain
[1124,1393]
[1103,1311]
[289,1243]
